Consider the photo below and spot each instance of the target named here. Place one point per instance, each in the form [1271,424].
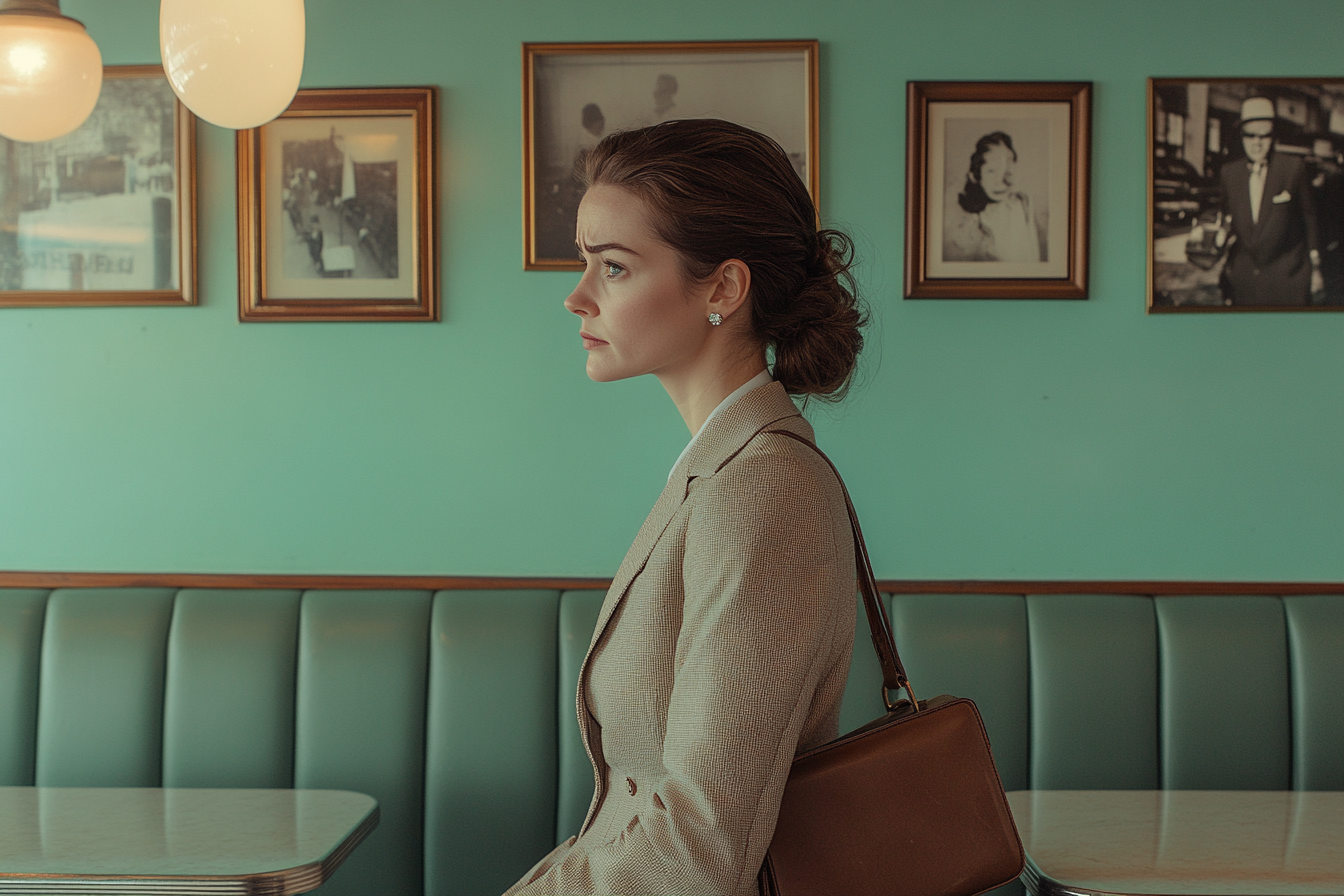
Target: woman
[723,645]
[996,222]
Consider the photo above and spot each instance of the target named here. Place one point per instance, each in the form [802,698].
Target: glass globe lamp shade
[50,75]
[235,63]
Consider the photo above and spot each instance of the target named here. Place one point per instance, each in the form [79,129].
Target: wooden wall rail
[16,579]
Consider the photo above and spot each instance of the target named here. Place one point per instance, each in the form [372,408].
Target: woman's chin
[602,373]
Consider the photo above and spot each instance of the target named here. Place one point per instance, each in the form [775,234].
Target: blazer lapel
[673,496]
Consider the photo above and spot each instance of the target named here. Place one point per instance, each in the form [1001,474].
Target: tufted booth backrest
[455,708]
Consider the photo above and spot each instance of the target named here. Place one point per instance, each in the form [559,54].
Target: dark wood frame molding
[919,94]
[19,579]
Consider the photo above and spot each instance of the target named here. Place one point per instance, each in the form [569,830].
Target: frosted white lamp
[235,63]
[50,71]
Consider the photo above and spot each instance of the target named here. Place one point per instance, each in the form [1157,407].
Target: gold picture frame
[105,215]
[338,208]
[573,93]
[1035,246]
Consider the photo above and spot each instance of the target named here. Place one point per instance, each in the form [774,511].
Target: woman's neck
[699,392]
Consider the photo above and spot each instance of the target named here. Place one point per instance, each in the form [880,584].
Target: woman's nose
[578,301]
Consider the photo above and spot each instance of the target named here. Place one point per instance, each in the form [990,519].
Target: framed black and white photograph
[106,214]
[337,210]
[997,190]
[576,93]
[1245,194]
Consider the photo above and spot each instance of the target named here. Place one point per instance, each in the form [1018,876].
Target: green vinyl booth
[455,708]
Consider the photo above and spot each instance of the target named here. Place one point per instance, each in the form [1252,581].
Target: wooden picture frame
[338,208]
[997,182]
[574,93]
[105,215]
[1211,248]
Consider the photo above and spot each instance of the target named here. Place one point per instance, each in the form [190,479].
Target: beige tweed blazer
[720,652]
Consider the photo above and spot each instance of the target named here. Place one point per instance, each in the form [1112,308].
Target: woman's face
[996,175]
[639,314]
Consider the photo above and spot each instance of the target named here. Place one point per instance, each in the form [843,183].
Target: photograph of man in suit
[1273,256]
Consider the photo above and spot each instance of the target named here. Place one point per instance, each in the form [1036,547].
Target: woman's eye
[611,269]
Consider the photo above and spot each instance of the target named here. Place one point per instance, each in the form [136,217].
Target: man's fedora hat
[1257,108]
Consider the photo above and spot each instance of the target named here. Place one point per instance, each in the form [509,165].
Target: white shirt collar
[759,379]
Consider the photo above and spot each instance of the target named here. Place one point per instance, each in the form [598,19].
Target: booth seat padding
[490,776]
[1225,698]
[1316,646]
[1093,694]
[359,723]
[455,709]
[100,701]
[228,709]
[21,617]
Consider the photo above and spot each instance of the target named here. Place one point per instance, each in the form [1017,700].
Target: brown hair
[718,191]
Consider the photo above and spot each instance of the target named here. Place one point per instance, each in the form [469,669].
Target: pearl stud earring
[715,318]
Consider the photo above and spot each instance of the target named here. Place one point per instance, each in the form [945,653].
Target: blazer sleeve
[769,601]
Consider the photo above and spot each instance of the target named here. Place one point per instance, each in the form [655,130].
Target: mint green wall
[987,440]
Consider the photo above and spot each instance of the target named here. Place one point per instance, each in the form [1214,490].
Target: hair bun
[818,340]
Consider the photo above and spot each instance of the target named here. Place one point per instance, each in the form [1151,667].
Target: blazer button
[630,786]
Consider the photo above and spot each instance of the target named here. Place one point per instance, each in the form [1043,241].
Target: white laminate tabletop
[168,841]
[1182,842]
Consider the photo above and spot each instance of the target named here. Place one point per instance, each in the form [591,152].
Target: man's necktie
[1257,189]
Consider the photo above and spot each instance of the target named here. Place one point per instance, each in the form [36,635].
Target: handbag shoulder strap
[893,671]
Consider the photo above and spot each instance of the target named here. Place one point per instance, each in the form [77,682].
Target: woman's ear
[732,283]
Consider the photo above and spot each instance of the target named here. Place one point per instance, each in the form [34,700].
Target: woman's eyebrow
[603,247]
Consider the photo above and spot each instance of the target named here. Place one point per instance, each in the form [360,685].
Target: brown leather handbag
[908,805]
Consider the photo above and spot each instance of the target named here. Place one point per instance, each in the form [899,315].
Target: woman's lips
[591,342]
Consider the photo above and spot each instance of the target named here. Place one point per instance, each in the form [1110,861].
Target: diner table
[1181,842]
[176,841]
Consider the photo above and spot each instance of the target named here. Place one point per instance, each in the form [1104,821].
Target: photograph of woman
[993,218]
[723,645]
[997,189]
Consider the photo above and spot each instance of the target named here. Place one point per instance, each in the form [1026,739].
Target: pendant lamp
[235,63]
[50,71]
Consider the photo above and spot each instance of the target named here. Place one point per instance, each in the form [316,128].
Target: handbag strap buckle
[891,704]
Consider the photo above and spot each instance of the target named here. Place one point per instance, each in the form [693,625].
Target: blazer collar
[728,433]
